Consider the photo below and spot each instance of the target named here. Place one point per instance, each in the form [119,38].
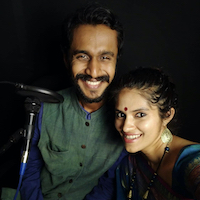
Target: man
[75,142]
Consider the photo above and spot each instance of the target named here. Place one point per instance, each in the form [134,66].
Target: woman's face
[138,121]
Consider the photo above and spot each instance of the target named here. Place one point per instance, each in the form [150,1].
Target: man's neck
[91,107]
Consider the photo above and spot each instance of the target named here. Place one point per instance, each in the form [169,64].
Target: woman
[160,165]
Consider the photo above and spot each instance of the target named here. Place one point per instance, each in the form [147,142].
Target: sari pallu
[185,177]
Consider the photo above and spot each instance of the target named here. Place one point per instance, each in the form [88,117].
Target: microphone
[44,95]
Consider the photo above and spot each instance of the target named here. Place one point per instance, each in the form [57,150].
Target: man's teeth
[93,83]
[131,136]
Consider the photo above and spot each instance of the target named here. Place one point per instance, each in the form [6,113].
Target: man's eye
[105,58]
[140,115]
[120,115]
[82,57]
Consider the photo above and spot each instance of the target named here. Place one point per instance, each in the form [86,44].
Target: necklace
[145,196]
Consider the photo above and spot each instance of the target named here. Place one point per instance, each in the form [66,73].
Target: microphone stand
[32,106]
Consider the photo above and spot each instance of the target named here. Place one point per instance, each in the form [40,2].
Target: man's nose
[94,68]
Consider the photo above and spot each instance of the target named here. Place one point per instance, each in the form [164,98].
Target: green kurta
[76,151]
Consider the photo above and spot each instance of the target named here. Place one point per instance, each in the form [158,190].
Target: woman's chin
[130,149]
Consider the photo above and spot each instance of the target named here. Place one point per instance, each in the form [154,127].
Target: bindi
[125,108]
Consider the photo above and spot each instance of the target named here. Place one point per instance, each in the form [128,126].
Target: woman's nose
[128,125]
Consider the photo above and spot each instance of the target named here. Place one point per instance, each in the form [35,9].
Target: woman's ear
[169,116]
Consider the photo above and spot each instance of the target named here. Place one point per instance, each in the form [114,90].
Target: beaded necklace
[133,178]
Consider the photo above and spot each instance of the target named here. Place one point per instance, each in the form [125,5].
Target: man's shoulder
[67,92]
[69,96]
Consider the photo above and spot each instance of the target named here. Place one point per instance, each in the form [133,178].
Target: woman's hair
[92,14]
[153,84]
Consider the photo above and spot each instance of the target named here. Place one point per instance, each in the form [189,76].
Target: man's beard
[81,94]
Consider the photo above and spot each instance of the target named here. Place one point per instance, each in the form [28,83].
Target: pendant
[130,195]
[146,194]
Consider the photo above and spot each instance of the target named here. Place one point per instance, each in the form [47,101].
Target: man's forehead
[94,40]
[90,33]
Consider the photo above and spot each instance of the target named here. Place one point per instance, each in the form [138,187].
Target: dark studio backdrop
[157,33]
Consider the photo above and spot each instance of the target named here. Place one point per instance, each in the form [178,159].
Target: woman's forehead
[133,99]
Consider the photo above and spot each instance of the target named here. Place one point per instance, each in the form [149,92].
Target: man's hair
[92,14]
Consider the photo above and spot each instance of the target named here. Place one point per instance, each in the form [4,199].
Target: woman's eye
[120,115]
[140,115]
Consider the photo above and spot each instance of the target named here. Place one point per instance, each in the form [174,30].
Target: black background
[157,33]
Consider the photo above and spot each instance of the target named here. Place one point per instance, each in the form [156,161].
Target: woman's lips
[129,138]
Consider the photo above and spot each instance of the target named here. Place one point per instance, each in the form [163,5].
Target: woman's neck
[154,154]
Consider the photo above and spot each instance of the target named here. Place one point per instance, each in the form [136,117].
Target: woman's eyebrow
[140,109]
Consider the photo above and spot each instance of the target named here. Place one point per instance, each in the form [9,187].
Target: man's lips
[93,84]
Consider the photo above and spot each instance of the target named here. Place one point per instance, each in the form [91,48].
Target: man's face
[93,56]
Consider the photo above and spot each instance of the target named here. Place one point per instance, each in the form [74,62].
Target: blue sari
[185,177]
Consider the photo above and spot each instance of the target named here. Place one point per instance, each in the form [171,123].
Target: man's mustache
[86,77]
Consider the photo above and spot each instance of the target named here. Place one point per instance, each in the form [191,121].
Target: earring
[166,136]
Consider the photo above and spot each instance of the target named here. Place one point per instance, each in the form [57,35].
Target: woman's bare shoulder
[177,145]
[179,142]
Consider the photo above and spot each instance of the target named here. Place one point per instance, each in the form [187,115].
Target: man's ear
[169,116]
[66,61]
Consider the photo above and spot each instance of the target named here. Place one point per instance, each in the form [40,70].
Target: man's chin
[86,99]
